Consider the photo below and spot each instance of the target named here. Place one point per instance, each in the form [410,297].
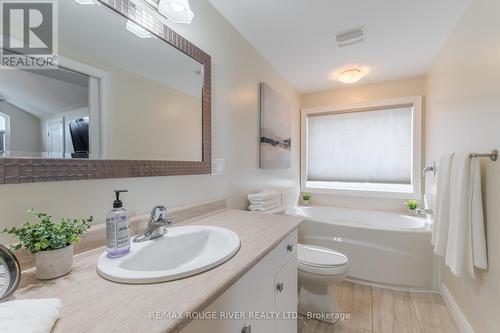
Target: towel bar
[493,155]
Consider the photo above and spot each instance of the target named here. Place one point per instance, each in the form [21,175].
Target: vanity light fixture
[177,11]
[138,30]
[352,75]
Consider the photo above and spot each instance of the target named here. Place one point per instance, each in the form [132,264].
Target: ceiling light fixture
[351,75]
[138,30]
[86,2]
[177,11]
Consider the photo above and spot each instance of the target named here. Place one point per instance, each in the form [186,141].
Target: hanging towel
[29,315]
[442,217]
[459,244]
[477,218]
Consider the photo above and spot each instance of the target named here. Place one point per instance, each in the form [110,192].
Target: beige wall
[463,114]
[360,94]
[147,119]
[364,93]
[152,121]
[237,70]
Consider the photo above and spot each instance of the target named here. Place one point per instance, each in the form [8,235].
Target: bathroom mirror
[129,97]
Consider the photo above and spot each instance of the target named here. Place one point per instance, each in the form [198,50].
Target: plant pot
[306,202]
[54,263]
[412,212]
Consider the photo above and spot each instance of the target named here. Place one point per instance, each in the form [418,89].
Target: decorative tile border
[33,170]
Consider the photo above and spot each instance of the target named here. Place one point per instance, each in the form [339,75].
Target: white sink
[182,252]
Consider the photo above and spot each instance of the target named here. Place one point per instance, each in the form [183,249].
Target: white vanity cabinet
[263,300]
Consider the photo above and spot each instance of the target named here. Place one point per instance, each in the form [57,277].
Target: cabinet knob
[289,248]
[247,329]
[279,287]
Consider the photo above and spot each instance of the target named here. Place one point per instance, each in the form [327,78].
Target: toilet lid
[319,256]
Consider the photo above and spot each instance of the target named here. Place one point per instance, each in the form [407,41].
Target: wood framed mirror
[129,98]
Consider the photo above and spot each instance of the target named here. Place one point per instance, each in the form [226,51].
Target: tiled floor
[385,311]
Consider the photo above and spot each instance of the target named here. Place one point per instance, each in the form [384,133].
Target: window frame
[360,189]
[7,133]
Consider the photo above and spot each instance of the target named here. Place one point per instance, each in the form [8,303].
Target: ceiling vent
[351,36]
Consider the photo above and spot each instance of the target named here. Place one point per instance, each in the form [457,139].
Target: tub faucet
[157,224]
[424,211]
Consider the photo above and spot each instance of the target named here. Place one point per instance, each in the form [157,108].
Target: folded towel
[264,201]
[264,195]
[477,218]
[262,209]
[441,216]
[266,204]
[29,315]
[459,245]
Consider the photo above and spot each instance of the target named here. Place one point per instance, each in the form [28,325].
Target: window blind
[361,147]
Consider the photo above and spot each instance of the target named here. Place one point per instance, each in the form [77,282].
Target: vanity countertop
[93,304]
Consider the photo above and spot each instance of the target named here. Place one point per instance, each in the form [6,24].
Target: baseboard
[456,313]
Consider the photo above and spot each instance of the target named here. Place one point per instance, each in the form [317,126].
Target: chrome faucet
[157,224]
[424,211]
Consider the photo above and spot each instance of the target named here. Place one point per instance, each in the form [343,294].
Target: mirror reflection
[119,93]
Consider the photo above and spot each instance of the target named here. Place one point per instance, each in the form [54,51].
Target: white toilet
[319,269]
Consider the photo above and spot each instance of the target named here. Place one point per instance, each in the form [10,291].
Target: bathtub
[386,249]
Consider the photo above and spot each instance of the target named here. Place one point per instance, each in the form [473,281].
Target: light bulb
[177,7]
[177,11]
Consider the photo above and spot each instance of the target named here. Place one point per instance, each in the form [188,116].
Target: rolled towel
[264,195]
[29,315]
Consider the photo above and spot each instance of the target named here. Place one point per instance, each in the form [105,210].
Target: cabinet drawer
[285,250]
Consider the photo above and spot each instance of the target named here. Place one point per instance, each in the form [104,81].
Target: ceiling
[44,92]
[298,37]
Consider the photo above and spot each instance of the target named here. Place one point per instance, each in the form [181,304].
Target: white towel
[477,218]
[29,315]
[262,209]
[265,204]
[459,245]
[441,216]
[265,195]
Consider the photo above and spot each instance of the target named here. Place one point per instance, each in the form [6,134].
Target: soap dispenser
[117,229]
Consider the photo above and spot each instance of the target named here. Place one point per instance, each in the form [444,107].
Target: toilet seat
[320,260]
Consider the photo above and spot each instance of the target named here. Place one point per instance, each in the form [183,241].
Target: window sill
[395,191]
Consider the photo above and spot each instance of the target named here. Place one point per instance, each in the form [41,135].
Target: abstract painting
[275,129]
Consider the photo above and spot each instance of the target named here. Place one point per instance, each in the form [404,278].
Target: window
[365,149]
[3,130]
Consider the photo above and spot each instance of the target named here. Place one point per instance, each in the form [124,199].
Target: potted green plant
[306,198]
[412,206]
[52,243]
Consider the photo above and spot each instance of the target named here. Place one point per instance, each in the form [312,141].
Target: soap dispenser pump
[117,228]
